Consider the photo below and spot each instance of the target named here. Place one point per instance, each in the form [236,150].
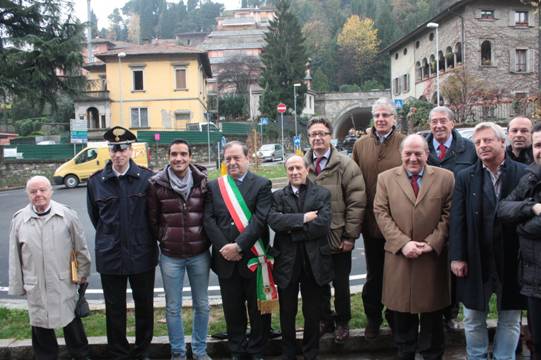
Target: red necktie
[442,150]
[414,184]
[318,165]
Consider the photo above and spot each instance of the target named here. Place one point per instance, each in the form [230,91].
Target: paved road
[13,200]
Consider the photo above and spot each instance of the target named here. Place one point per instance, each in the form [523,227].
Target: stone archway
[354,117]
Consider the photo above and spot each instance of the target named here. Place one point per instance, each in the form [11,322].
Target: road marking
[184,289]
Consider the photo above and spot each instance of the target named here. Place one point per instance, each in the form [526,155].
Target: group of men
[427,210]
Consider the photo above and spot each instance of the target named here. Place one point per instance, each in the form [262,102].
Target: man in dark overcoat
[125,248]
[231,251]
[483,252]
[301,217]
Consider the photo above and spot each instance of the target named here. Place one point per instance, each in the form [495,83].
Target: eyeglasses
[119,147]
[383,115]
[318,133]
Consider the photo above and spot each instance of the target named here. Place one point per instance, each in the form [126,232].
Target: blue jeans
[505,340]
[173,270]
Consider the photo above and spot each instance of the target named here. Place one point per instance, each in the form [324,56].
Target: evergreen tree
[284,60]
[117,27]
[40,51]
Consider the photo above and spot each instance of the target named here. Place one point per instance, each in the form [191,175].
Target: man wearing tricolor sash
[236,212]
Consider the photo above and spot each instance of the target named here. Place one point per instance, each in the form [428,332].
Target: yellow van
[91,159]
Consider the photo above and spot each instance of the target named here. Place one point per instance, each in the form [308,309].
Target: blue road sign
[297,141]
[223,140]
[399,103]
[263,121]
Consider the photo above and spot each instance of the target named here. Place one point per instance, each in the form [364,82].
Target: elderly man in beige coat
[412,208]
[41,239]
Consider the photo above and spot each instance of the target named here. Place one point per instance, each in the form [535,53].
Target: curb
[159,349]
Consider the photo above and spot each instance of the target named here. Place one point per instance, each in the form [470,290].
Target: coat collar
[134,171]
[199,174]
[28,213]
[333,161]
[458,146]
[404,183]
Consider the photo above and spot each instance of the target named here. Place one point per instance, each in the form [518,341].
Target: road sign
[78,125]
[263,121]
[79,137]
[399,103]
[281,108]
[297,141]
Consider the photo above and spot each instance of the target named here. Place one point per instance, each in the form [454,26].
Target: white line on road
[185,289]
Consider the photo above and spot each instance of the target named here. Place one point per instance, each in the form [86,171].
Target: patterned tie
[415,184]
[318,165]
[443,151]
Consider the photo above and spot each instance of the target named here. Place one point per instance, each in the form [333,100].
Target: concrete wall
[14,173]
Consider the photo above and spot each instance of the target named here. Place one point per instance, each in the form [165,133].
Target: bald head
[39,192]
[414,153]
[297,170]
[519,133]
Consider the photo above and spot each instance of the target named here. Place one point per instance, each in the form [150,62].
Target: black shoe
[273,334]
[220,335]
[371,331]
[452,325]
[326,327]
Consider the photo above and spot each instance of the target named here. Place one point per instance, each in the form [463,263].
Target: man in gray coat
[41,239]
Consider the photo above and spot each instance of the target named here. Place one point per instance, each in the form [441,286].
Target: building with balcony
[494,43]
[157,86]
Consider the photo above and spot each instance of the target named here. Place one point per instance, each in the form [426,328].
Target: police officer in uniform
[125,248]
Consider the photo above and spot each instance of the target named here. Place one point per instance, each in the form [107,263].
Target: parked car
[270,152]
[91,159]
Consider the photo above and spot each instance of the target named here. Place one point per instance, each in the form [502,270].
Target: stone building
[489,42]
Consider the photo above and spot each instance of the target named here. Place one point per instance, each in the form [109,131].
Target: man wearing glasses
[125,248]
[341,176]
[374,153]
[449,150]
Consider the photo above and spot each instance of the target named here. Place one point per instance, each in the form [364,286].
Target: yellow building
[159,86]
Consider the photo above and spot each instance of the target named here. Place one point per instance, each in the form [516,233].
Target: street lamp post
[120,56]
[295,86]
[433,25]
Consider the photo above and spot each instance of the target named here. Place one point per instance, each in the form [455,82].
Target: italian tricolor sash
[267,295]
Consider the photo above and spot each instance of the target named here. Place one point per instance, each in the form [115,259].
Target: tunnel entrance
[357,118]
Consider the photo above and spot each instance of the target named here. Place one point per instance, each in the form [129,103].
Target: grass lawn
[15,322]
[270,172]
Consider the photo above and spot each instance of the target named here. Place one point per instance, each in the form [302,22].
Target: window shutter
[511,17]
[530,60]
[512,60]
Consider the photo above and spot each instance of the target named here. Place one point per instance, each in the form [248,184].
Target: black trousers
[534,315]
[114,292]
[45,346]
[342,302]
[311,294]
[375,257]
[239,293]
[451,312]
[429,341]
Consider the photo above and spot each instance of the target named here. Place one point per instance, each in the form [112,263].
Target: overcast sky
[103,8]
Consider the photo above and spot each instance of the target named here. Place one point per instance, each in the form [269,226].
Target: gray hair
[386,103]
[497,129]
[40,178]
[414,136]
[442,109]
[305,162]
[235,142]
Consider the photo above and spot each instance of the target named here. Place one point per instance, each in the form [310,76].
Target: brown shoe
[341,334]
[325,327]
[371,331]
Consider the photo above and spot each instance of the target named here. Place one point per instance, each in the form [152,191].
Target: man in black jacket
[449,150]
[125,248]
[523,206]
[482,251]
[232,249]
[301,217]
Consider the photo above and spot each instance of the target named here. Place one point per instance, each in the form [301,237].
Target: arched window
[432,65]
[458,53]
[486,53]
[418,71]
[449,57]
[441,61]
[426,69]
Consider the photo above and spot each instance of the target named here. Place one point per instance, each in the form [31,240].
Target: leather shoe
[371,331]
[325,327]
[341,334]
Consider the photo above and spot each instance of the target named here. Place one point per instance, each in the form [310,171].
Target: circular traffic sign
[281,108]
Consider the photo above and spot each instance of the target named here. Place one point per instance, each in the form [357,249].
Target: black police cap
[119,135]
